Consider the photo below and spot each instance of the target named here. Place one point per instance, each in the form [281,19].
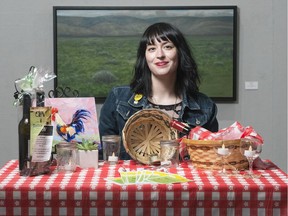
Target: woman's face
[162,58]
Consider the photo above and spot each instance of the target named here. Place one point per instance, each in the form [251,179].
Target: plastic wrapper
[31,83]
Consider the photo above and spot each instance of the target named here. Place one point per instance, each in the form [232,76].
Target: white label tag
[43,145]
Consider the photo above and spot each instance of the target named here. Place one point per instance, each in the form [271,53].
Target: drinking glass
[223,152]
[251,149]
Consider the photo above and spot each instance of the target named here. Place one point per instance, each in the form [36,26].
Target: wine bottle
[40,98]
[181,127]
[24,133]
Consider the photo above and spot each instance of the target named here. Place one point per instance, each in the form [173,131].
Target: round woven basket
[203,156]
[143,131]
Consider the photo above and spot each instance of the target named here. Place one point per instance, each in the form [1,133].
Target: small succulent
[87,145]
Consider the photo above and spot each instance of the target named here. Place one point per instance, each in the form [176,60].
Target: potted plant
[87,154]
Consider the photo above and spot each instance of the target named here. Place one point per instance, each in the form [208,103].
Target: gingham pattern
[86,192]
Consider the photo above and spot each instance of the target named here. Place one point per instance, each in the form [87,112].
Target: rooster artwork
[68,131]
[73,119]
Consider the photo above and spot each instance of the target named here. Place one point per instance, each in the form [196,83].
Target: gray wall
[26,38]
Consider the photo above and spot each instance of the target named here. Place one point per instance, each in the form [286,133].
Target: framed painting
[95,47]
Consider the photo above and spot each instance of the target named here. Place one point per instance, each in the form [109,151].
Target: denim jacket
[120,105]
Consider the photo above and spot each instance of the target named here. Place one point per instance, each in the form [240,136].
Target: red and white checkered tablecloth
[86,192]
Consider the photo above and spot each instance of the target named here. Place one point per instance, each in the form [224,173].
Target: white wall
[26,38]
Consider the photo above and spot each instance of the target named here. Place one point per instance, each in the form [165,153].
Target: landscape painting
[95,47]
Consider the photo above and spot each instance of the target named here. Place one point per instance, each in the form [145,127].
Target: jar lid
[111,138]
[66,145]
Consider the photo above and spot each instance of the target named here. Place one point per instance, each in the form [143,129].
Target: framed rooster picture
[74,119]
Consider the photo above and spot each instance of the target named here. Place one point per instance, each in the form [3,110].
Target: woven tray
[203,156]
[143,131]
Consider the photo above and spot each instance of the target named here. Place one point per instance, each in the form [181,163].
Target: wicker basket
[143,131]
[203,156]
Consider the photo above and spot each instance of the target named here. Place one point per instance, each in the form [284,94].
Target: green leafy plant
[87,145]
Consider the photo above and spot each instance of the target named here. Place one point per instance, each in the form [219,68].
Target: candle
[223,151]
[113,159]
[155,160]
[249,153]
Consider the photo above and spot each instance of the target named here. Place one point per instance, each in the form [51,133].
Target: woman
[165,77]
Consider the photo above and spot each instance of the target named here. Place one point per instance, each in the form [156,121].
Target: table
[86,192]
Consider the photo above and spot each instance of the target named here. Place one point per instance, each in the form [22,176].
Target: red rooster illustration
[69,131]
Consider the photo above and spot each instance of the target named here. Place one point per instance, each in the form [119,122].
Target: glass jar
[111,148]
[66,157]
[169,152]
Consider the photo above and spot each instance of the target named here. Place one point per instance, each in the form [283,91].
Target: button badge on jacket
[137,97]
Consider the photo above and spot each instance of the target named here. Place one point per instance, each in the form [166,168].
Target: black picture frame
[95,47]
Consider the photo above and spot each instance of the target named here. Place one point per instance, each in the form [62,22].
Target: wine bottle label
[43,145]
[40,120]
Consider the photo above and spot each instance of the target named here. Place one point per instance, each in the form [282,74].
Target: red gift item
[235,131]
[250,133]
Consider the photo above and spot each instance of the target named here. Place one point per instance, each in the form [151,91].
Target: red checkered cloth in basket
[86,192]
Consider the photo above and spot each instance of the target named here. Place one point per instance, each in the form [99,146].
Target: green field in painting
[94,65]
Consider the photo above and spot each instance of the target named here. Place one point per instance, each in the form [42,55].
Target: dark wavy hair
[187,80]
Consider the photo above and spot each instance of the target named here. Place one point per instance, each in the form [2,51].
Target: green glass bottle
[24,133]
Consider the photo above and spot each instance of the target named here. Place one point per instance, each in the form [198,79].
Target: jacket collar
[191,103]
